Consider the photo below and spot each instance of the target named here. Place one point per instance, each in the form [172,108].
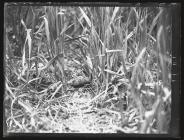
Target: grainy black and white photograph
[87,69]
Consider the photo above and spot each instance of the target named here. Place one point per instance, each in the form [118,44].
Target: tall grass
[123,44]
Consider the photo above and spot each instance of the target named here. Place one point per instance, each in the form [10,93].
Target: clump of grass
[121,53]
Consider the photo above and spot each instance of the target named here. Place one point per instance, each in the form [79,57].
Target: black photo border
[177,31]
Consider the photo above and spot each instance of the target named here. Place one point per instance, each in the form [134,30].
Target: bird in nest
[80,81]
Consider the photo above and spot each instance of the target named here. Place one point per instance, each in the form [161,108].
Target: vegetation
[87,69]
